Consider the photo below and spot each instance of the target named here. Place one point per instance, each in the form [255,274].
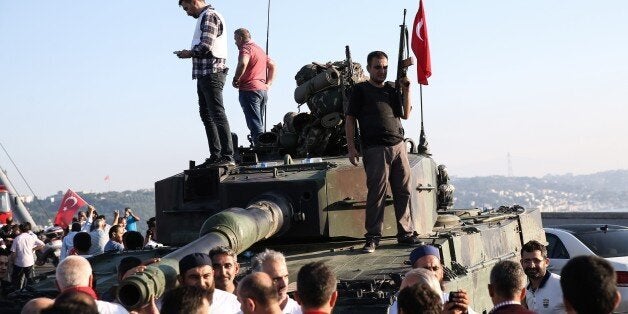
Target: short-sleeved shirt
[374,108]
[23,246]
[113,246]
[99,240]
[131,223]
[292,307]
[67,244]
[225,302]
[110,308]
[254,76]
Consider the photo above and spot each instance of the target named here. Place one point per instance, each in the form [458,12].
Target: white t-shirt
[292,307]
[67,244]
[224,302]
[23,246]
[110,308]
[548,298]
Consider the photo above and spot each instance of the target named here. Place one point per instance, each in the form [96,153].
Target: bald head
[259,287]
[243,33]
[37,305]
[73,271]
[421,276]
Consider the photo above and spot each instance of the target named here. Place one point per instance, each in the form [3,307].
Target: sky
[92,90]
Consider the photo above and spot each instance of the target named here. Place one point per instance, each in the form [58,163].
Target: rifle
[347,94]
[349,66]
[403,62]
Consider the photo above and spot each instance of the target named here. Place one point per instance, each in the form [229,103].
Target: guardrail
[564,218]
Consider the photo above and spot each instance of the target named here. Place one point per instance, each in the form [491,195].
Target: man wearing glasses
[273,263]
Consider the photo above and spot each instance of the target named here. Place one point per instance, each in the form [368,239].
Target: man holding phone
[209,54]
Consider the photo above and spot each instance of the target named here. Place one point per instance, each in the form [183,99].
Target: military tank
[296,192]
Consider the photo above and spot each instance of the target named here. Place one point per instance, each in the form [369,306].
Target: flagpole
[420,47]
[423,147]
[421,103]
[267,36]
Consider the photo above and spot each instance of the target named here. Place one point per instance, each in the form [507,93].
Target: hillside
[594,192]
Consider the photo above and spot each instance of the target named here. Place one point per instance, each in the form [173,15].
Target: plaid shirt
[203,62]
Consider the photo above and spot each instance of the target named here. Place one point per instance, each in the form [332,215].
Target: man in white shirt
[99,237]
[196,270]
[68,241]
[226,268]
[74,274]
[543,293]
[273,263]
[22,255]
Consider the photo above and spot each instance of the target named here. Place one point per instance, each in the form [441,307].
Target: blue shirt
[131,224]
[113,246]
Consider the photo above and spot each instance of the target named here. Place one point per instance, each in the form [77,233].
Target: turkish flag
[69,205]
[421,46]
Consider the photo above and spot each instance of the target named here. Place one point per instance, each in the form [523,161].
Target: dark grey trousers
[384,166]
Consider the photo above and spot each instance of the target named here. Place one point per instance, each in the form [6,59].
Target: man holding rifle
[376,106]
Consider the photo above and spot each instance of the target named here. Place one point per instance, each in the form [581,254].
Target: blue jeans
[212,111]
[253,104]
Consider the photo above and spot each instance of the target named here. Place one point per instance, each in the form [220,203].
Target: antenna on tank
[267,36]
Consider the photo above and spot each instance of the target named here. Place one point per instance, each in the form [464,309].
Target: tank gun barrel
[236,228]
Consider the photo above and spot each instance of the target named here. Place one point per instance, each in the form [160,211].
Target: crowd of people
[208,281]
[587,284]
[89,234]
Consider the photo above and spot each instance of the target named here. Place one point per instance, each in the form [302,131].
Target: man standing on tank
[209,54]
[373,104]
[253,76]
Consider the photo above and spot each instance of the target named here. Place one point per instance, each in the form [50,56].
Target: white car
[607,241]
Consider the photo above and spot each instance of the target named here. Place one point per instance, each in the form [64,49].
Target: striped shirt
[203,62]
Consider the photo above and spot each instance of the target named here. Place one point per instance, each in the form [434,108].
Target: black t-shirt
[373,108]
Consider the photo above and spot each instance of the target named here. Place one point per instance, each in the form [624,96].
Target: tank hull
[326,218]
[368,281]
[328,198]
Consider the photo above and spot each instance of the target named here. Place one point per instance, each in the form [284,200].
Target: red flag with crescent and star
[70,203]
[421,46]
